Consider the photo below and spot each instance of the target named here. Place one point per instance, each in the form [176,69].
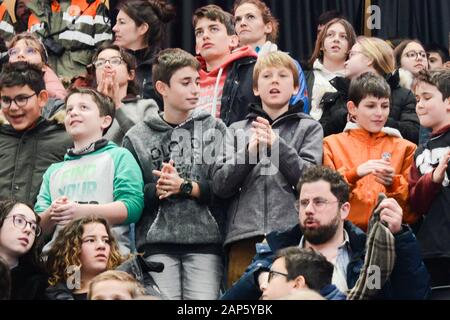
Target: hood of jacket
[256,110]
[236,54]
[385,131]
[406,78]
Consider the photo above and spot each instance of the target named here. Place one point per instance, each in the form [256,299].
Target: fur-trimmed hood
[387,130]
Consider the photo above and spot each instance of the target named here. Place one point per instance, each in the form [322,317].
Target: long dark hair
[156,13]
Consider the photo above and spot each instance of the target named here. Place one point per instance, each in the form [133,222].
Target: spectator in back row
[371,55]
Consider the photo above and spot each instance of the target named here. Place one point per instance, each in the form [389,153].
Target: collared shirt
[340,263]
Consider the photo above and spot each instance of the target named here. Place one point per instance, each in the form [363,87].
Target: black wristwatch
[186,187]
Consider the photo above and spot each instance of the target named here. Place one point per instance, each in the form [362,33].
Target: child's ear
[131,75]
[256,91]
[107,120]
[447,102]
[296,89]
[233,42]
[161,88]
[42,98]
[351,107]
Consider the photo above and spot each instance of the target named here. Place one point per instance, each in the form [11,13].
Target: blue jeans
[189,276]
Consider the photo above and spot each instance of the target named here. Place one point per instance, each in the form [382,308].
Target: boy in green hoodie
[96,177]
[176,150]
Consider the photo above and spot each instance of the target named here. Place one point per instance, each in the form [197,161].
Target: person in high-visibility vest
[71,30]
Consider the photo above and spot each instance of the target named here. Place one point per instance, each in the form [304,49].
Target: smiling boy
[371,157]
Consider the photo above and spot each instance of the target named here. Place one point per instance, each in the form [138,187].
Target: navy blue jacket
[409,279]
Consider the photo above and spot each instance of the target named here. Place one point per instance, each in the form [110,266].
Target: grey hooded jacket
[262,199]
[193,145]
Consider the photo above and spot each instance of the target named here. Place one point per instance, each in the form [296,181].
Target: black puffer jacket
[402,115]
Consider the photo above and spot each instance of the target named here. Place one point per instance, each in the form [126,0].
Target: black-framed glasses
[414,54]
[114,62]
[21,223]
[20,100]
[273,273]
[318,203]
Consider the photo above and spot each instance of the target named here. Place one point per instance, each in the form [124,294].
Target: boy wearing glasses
[296,269]
[372,158]
[29,144]
[96,177]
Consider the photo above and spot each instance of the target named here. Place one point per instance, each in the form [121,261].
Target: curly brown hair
[66,250]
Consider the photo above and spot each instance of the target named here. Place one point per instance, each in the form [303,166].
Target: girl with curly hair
[82,250]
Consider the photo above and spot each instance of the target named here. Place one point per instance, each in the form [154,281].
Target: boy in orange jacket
[372,158]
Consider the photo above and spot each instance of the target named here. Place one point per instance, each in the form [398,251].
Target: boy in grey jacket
[176,150]
[261,185]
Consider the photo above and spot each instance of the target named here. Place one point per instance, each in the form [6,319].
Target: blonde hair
[380,52]
[275,59]
[133,286]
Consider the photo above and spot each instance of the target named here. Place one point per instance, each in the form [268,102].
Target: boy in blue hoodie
[176,150]
[96,176]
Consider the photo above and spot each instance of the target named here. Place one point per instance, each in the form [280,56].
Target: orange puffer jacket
[344,152]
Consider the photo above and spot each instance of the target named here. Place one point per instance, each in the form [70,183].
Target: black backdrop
[427,20]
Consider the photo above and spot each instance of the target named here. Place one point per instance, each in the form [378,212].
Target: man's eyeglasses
[114,62]
[273,273]
[20,222]
[414,54]
[318,203]
[28,51]
[20,100]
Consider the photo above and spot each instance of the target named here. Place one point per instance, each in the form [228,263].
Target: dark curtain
[427,20]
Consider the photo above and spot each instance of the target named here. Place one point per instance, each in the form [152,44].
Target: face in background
[111,290]
[127,34]
[371,113]
[435,61]
[414,58]
[109,69]
[275,86]
[432,110]
[22,12]
[23,113]
[357,62]
[95,249]
[320,214]
[335,45]
[250,26]
[18,232]
[212,41]
[25,50]
[183,92]
[83,119]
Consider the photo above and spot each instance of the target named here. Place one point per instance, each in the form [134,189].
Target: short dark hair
[327,16]
[440,50]
[368,84]
[168,61]
[215,13]
[156,13]
[438,78]
[22,73]
[104,103]
[310,264]
[338,186]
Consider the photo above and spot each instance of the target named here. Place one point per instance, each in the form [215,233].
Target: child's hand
[110,87]
[253,144]
[264,132]
[64,211]
[169,181]
[439,172]
[373,166]
[385,176]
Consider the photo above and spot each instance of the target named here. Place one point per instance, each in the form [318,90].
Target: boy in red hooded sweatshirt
[226,73]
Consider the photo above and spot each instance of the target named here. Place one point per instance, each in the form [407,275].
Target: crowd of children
[160,175]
